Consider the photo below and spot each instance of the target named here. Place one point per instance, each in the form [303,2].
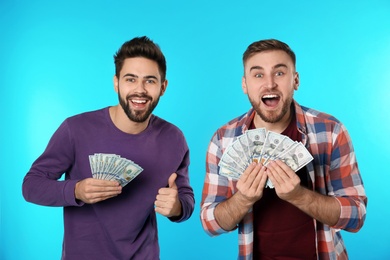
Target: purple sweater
[123,227]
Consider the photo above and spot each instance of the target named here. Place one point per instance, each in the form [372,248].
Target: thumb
[171,181]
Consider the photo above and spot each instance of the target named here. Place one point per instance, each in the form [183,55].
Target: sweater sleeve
[42,184]
[186,193]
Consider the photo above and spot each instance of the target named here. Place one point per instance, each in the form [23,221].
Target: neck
[123,123]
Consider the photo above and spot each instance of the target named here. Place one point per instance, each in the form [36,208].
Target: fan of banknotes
[262,146]
[113,167]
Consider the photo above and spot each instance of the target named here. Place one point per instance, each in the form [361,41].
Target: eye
[279,73]
[258,75]
[132,80]
[150,81]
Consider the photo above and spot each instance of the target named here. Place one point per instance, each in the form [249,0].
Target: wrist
[243,201]
[301,196]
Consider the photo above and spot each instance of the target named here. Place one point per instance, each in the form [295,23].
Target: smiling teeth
[270,96]
[139,101]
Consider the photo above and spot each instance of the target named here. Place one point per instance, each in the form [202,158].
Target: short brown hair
[267,45]
[140,47]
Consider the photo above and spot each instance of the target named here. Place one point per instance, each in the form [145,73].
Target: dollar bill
[296,157]
[128,173]
[286,144]
[226,171]
[243,140]
[232,159]
[113,167]
[256,139]
[240,151]
[272,141]
[263,147]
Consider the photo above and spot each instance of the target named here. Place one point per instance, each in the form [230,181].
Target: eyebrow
[274,67]
[135,76]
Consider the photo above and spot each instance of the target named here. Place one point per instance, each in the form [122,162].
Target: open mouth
[271,100]
[138,102]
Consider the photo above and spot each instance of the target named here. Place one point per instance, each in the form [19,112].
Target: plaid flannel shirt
[333,172]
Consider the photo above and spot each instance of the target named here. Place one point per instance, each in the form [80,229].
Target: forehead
[140,66]
[268,60]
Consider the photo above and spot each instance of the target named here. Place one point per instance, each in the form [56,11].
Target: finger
[249,169]
[166,193]
[255,175]
[172,181]
[274,172]
[289,172]
[102,183]
[252,177]
[163,205]
[261,179]
[104,189]
[159,204]
[270,175]
[282,176]
[96,197]
[283,172]
[162,211]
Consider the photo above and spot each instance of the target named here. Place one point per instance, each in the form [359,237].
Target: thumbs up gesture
[167,200]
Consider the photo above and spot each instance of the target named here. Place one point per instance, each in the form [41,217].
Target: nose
[140,87]
[270,82]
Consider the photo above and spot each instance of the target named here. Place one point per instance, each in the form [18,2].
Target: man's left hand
[286,182]
[167,200]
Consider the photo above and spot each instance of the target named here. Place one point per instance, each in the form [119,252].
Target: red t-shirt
[281,230]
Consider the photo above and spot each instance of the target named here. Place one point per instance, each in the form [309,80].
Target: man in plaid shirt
[302,216]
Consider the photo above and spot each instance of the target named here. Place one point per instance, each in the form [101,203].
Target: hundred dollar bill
[256,138]
[229,173]
[118,165]
[272,141]
[113,167]
[240,151]
[296,157]
[280,149]
[243,140]
[110,162]
[231,158]
[92,164]
[106,161]
[128,173]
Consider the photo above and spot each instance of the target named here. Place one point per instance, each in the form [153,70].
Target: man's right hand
[250,189]
[251,183]
[92,190]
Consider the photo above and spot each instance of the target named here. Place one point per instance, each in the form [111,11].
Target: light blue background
[56,61]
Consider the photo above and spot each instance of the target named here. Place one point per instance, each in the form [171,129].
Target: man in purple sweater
[102,219]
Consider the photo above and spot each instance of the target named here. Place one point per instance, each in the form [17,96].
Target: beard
[274,116]
[134,115]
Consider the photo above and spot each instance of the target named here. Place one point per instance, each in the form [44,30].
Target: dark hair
[140,47]
[267,45]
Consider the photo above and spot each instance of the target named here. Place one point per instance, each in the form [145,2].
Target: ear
[164,86]
[243,85]
[296,80]
[116,83]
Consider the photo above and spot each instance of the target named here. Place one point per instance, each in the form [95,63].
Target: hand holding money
[251,183]
[260,145]
[93,190]
[113,167]
[284,179]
